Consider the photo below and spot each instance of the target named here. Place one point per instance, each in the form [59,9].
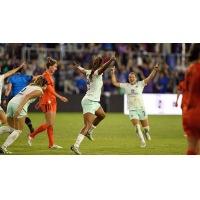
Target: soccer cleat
[29,140]
[4,151]
[89,136]
[143,145]
[75,150]
[55,146]
[185,135]
[148,137]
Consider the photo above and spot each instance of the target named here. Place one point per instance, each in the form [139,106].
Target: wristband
[5,97]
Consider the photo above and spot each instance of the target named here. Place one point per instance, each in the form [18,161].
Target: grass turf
[115,135]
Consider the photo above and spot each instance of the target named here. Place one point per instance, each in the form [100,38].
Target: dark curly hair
[96,65]
[194,52]
[50,62]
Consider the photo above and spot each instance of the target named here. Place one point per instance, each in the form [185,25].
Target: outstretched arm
[114,81]
[106,65]
[11,72]
[178,94]
[31,95]
[77,66]
[151,75]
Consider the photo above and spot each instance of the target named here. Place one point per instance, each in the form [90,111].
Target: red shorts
[48,107]
[191,123]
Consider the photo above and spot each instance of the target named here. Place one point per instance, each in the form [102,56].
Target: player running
[17,109]
[3,118]
[135,102]
[48,104]
[90,101]
[182,88]
[191,117]
[15,84]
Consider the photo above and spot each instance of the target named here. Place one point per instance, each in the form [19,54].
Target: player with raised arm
[90,101]
[182,87]
[48,105]
[15,84]
[17,109]
[3,118]
[191,117]
[137,112]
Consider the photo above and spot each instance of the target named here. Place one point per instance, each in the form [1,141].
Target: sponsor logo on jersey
[132,91]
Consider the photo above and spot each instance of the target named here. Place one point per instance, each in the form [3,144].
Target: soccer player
[17,108]
[182,87]
[48,104]
[15,84]
[137,112]
[3,118]
[90,101]
[191,117]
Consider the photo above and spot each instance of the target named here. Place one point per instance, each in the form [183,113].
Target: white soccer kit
[20,96]
[1,85]
[94,87]
[134,95]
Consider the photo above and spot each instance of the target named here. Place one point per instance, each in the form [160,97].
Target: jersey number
[21,92]
[143,112]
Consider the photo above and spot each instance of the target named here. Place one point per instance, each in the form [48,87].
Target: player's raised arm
[106,65]
[151,75]
[77,66]
[11,72]
[114,81]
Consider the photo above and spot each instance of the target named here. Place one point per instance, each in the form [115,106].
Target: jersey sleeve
[96,73]
[180,87]
[123,85]
[10,80]
[49,88]
[141,83]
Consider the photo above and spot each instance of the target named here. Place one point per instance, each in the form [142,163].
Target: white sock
[91,129]
[11,138]
[139,133]
[79,140]
[146,129]
[6,129]
[0,122]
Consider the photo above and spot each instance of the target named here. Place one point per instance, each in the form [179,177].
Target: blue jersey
[18,82]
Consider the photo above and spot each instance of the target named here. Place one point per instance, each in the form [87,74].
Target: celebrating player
[182,87]
[3,118]
[90,101]
[48,104]
[191,117]
[135,102]
[17,108]
[15,84]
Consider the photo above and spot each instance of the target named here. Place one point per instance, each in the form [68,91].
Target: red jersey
[182,87]
[47,97]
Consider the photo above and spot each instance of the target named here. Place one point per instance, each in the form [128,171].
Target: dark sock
[29,124]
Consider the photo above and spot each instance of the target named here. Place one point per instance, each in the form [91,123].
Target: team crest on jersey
[132,91]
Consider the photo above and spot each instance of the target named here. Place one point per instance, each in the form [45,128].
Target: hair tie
[49,59]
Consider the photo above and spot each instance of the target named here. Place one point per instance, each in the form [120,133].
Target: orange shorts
[191,123]
[48,107]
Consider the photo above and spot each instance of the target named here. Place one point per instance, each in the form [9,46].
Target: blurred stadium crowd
[137,57]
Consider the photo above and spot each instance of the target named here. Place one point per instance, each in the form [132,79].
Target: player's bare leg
[88,120]
[136,123]
[145,125]
[193,145]
[100,115]
[3,118]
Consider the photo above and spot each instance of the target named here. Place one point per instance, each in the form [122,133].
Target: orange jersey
[191,117]
[47,97]
[182,87]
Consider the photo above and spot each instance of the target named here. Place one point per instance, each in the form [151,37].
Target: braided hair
[50,62]
[96,65]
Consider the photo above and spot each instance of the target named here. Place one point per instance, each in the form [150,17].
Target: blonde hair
[39,81]
[50,62]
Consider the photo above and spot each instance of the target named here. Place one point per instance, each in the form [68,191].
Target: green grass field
[115,135]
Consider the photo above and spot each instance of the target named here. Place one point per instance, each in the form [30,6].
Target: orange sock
[50,135]
[42,128]
[191,152]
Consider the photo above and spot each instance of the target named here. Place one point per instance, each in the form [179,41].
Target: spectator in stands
[162,81]
[171,60]
[62,77]
[81,83]
[105,57]
[38,71]
[86,56]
